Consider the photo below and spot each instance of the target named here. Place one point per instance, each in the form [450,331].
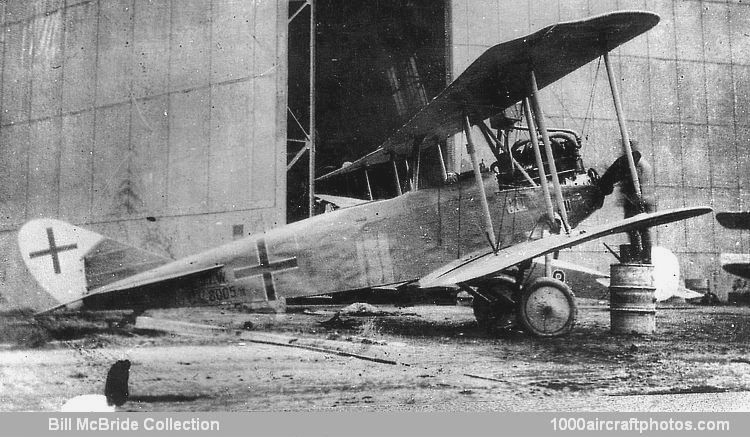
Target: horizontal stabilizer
[159,275]
[682,292]
[687,294]
[666,276]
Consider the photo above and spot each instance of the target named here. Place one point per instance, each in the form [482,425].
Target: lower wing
[486,263]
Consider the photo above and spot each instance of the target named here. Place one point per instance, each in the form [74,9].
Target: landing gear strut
[494,306]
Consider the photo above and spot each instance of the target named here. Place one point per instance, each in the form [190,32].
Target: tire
[547,308]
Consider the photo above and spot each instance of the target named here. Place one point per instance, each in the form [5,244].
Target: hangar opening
[375,64]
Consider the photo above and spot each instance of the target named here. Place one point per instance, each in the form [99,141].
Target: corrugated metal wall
[118,110]
[686,91]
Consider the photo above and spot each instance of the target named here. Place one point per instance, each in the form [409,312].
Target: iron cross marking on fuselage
[266,268]
[53,250]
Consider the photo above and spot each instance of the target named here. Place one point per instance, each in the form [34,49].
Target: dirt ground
[419,358]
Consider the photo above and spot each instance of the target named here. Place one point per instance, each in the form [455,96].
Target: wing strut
[395,175]
[542,177]
[488,229]
[442,161]
[409,180]
[623,126]
[367,180]
[417,163]
[548,149]
[539,162]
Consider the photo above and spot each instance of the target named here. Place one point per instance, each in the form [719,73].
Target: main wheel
[547,308]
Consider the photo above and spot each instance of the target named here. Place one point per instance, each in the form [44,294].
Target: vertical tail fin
[53,252]
[67,260]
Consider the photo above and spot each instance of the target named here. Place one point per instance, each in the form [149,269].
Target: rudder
[68,261]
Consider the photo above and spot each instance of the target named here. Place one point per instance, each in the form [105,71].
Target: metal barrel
[632,304]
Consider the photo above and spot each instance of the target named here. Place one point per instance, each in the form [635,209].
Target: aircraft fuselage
[373,244]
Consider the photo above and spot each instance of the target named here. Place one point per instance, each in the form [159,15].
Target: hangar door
[376,63]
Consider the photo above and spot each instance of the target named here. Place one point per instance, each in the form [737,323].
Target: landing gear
[547,308]
[494,306]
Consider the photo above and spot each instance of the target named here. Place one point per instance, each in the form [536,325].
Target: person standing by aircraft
[640,239]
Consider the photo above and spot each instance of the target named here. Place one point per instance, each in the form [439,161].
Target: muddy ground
[414,358]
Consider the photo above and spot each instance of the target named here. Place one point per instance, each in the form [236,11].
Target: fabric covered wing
[499,77]
[487,263]
[734,220]
[736,264]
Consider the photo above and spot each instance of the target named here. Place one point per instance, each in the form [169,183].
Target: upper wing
[486,263]
[499,77]
[734,220]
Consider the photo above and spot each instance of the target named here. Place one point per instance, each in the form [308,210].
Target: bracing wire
[592,95]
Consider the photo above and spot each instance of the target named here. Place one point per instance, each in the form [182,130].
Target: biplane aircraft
[735,263]
[455,234]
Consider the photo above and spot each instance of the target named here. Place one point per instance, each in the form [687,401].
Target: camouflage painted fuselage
[373,244]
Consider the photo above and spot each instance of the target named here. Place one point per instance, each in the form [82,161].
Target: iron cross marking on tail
[266,268]
[53,250]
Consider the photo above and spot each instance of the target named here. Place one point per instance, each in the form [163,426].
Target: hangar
[179,125]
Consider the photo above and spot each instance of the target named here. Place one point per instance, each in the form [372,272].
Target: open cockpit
[566,145]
